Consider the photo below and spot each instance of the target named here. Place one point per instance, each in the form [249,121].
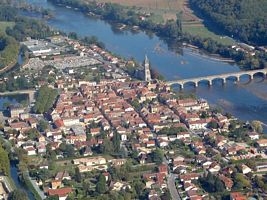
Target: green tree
[45,99]
[78,176]
[18,194]
[116,142]
[157,156]
[257,126]
[43,125]
[4,162]
[101,187]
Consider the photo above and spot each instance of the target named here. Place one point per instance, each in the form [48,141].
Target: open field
[202,31]
[4,25]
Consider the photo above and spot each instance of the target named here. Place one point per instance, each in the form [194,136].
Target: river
[245,101]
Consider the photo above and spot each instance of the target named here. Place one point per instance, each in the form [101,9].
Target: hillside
[244,19]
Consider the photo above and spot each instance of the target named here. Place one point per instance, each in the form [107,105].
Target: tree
[78,176]
[157,156]
[4,162]
[257,126]
[101,184]
[240,181]
[18,194]
[219,186]
[45,99]
[73,35]
[43,125]
[213,125]
[116,142]
[33,134]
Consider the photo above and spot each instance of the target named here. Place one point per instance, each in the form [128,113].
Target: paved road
[171,182]
[172,187]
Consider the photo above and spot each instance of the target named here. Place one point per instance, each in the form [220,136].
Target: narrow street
[172,187]
[171,183]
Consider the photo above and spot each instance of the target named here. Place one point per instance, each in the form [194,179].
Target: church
[146,73]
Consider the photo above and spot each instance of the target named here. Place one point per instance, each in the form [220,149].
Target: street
[172,187]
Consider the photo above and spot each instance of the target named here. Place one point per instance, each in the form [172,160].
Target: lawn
[4,25]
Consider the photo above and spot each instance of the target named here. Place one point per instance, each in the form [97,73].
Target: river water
[245,101]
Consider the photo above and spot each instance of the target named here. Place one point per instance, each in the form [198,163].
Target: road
[171,182]
[172,187]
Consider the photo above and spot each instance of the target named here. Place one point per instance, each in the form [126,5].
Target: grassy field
[202,31]
[4,25]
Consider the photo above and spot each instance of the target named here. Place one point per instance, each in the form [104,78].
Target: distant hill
[244,19]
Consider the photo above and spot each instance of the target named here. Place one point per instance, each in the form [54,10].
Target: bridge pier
[237,78]
[196,84]
[210,82]
[224,81]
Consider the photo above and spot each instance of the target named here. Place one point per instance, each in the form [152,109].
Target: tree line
[245,19]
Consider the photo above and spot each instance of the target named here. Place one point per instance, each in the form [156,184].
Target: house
[189,177]
[237,196]
[62,176]
[56,184]
[87,151]
[118,186]
[163,169]
[90,161]
[95,131]
[15,111]
[253,135]
[118,162]
[62,193]
[262,143]
[30,150]
[228,183]
[214,167]
[261,167]
[245,169]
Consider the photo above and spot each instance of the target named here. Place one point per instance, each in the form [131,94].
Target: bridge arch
[177,85]
[263,74]
[223,80]
[195,83]
[205,80]
[236,77]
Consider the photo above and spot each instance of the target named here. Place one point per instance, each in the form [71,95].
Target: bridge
[223,77]
[31,94]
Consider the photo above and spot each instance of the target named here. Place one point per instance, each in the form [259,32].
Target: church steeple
[147,74]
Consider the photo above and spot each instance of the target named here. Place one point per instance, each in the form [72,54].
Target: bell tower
[147,74]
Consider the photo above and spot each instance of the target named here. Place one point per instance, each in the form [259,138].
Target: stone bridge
[31,94]
[222,77]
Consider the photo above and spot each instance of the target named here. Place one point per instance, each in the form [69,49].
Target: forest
[243,19]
